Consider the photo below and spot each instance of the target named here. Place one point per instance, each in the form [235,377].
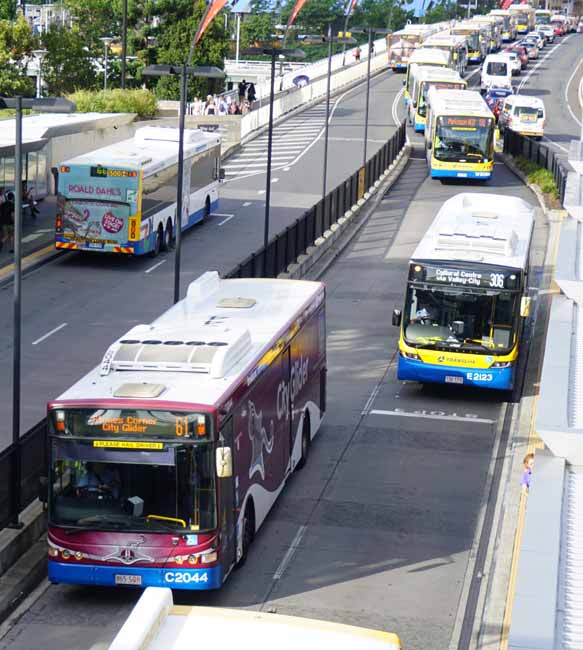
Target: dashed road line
[46,336]
[153,268]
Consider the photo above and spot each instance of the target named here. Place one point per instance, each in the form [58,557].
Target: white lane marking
[263,163]
[395,107]
[541,61]
[290,553]
[224,221]
[260,191]
[153,268]
[579,92]
[220,214]
[371,399]
[31,237]
[555,144]
[286,169]
[46,336]
[247,204]
[431,416]
[275,180]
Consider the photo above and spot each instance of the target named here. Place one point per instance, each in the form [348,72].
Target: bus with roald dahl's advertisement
[122,198]
[467,294]
[165,459]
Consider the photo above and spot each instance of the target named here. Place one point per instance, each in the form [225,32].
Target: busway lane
[377,528]
[88,301]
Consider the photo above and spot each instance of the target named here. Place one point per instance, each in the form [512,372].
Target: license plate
[453,380]
[128,580]
[91,244]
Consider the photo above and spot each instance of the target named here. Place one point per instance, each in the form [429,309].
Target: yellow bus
[459,135]
[525,18]
[426,57]
[425,78]
[508,24]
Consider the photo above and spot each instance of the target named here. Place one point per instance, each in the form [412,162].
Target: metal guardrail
[33,462]
[541,154]
[285,248]
[281,251]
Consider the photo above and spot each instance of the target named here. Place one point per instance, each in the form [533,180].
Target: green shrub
[538,176]
[142,102]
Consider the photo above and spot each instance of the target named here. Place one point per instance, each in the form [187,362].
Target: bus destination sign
[465,122]
[472,278]
[106,172]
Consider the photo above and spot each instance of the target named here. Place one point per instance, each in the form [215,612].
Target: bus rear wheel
[167,241]
[158,243]
[248,532]
[306,439]
[207,209]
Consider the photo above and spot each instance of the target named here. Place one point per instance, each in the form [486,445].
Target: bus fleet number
[479,376]
[185,577]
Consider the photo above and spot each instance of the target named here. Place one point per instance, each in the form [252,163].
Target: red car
[559,31]
[522,54]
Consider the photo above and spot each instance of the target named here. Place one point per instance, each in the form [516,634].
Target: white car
[548,31]
[537,38]
[515,62]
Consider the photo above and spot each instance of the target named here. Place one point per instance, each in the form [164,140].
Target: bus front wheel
[248,532]
[167,241]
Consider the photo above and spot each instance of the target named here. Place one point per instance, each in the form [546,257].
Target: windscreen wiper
[105,520]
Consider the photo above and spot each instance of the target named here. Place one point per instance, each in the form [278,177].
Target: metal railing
[285,248]
[281,251]
[33,462]
[539,153]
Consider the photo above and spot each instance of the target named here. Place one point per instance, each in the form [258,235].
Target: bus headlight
[207,558]
[413,356]
[501,364]
[53,552]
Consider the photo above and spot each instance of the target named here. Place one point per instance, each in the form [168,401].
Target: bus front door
[228,523]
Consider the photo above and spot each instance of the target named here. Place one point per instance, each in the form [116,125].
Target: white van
[497,72]
[524,114]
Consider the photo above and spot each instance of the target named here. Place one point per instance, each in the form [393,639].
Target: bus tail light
[59,223]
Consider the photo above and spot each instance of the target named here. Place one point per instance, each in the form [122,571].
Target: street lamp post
[39,55]
[106,40]
[183,72]
[46,105]
[124,42]
[274,52]
[372,31]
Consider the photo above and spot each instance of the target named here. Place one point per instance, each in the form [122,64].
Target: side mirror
[429,144]
[414,104]
[458,327]
[404,81]
[43,489]
[525,304]
[396,320]
[222,174]
[224,462]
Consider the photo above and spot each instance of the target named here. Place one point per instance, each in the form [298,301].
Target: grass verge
[539,176]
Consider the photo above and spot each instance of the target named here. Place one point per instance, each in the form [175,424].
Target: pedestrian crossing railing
[285,248]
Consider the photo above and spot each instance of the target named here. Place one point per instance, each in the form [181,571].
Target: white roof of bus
[431,73]
[429,55]
[476,227]
[445,39]
[151,148]
[215,336]
[500,12]
[458,102]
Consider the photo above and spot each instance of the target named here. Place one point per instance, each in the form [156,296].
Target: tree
[176,32]
[256,28]
[16,45]
[315,15]
[7,9]
[68,64]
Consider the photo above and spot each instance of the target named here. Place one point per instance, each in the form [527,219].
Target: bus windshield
[155,490]
[473,40]
[459,318]
[463,139]
[542,19]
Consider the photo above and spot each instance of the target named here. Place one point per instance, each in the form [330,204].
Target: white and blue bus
[122,198]
[466,296]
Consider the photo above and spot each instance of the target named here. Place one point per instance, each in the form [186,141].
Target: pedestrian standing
[528,464]
[7,222]
[251,93]
[242,91]
[210,108]
[357,54]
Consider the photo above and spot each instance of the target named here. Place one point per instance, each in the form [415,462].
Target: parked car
[531,48]
[495,98]
[523,114]
[548,31]
[515,63]
[522,54]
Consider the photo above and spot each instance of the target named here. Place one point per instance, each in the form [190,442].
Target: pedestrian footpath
[36,233]
[290,139]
